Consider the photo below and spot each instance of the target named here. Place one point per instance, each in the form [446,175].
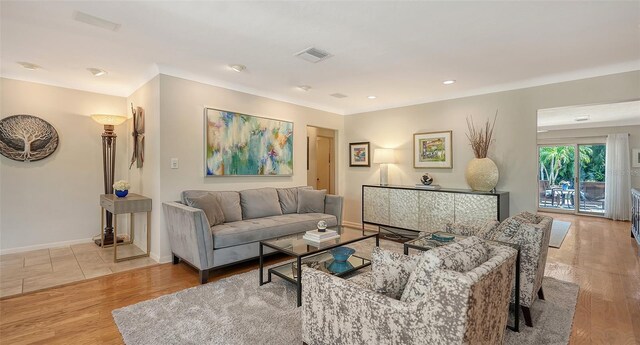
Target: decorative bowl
[337,267]
[342,254]
[121,193]
[442,237]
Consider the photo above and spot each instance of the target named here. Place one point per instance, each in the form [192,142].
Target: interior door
[323,163]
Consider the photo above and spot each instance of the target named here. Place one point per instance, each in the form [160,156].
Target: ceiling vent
[581,118]
[313,55]
[95,21]
[338,95]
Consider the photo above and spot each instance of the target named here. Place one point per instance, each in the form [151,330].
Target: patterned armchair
[532,233]
[458,308]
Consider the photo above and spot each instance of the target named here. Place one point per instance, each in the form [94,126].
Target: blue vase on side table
[121,193]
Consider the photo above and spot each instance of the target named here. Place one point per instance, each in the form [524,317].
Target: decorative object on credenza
[108,165]
[138,137]
[635,158]
[245,145]
[482,173]
[426,179]
[384,157]
[121,188]
[433,150]
[359,154]
[322,226]
[27,138]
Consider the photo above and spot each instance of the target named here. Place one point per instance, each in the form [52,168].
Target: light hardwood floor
[597,254]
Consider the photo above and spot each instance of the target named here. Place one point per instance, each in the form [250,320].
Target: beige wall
[592,135]
[146,180]
[182,104]
[514,149]
[56,199]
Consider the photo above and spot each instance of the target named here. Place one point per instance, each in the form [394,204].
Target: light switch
[174,163]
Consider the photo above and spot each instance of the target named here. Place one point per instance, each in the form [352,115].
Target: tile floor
[45,268]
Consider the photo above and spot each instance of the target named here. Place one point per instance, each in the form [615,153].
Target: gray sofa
[251,216]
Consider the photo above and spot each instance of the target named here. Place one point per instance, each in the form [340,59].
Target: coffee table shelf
[324,262]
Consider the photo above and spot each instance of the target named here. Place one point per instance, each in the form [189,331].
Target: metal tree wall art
[138,137]
[27,138]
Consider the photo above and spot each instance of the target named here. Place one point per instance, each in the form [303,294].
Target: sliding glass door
[571,178]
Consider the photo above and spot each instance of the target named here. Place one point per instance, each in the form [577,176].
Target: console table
[418,209]
[131,204]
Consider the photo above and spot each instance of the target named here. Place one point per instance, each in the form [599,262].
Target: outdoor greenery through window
[557,182]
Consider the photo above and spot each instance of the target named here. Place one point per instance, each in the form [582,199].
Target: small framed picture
[635,158]
[359,154]
[433,150]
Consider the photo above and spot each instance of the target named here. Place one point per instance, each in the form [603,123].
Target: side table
[131,204]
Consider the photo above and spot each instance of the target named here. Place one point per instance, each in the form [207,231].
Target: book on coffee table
[317,236]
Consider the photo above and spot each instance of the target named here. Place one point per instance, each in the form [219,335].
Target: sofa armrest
[189,234]
[336,311]
[333,206]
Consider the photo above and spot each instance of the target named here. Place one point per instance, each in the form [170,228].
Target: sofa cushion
[419,282]
[509,228]
[253,230]
[464,255]
[288,198]
[311,201]
[210,205]
[527,217]
[229,201]
[258,203]
[391,271]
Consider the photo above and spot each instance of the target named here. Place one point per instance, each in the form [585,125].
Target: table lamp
[384,157]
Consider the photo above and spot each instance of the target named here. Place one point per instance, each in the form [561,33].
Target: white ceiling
[398,51]
[600,115]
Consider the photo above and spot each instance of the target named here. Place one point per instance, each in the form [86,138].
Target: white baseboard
[161,260]
[359,225]
[44,246]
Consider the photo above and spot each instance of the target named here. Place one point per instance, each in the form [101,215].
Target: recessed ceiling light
[96,71]
[238,68]
[28,65]
[304,87]
[448,82]
[338,95]
[371,97]
[581,118]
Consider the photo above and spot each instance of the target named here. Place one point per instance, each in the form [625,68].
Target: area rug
[559,230]
[236,310]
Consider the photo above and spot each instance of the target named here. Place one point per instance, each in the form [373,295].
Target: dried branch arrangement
[480,138]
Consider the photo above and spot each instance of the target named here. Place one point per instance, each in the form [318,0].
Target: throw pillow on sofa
[288,198]
[420,279]
[211,207]
[391,271]
[259,203]
[311,201]
[527,217]
[464,255]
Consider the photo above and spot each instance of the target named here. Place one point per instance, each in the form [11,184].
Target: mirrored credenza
[417,209]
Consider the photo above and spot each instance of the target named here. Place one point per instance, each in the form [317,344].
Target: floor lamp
[384,157]
[108,164]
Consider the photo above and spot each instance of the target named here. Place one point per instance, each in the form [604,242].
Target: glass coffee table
[314,255]
[428,242]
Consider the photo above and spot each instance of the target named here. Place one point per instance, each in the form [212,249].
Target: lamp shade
[384,156]
[106,119]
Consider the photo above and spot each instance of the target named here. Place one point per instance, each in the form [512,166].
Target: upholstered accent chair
[455,307]
[532,233]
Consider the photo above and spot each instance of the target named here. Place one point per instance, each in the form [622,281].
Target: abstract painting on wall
[432,150]
[245,145]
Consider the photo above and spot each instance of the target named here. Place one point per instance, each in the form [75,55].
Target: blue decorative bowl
[337,267]
[121,193]
[442,237]
[341,254]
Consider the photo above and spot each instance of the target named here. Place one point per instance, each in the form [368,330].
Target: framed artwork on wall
[246,145]
[635,158]
[359,154]
[433,150]
[27,138]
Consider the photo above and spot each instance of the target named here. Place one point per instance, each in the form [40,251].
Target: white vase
[482,174]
